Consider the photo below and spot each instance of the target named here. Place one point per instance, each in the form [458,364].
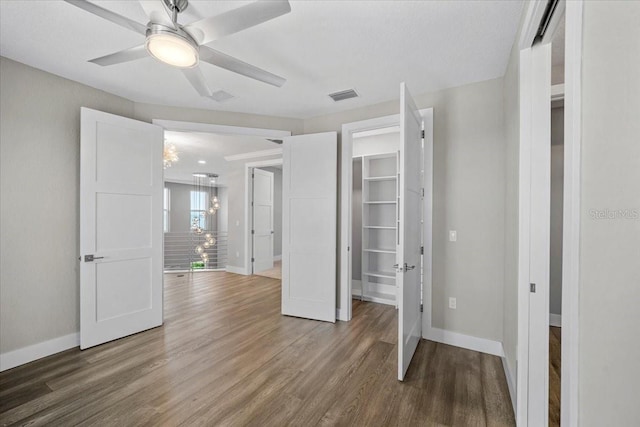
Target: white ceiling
[320,47]
[212,148]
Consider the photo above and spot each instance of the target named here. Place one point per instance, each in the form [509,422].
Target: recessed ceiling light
[202,162]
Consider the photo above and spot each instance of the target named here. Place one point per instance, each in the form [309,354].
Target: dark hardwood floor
[554,376]
[225,356]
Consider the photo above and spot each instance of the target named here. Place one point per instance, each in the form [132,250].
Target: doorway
[266,221]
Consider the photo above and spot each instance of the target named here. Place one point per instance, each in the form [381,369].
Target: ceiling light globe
[173,47]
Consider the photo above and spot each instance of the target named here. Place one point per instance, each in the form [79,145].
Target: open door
[409,233]
[309,194]
[262,217]
[120,227]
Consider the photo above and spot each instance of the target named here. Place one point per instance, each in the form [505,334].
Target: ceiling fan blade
[157,12]
[230,63]
[131,54]
[196,78]
[209,29]
[109,16]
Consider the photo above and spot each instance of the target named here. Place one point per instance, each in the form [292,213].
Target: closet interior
[375,215]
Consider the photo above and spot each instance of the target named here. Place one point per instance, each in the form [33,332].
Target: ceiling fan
[182,46]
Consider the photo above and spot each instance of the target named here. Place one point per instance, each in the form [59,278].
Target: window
[199,201]
[166,207]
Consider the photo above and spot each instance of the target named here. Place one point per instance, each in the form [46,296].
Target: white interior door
[120,227]
[309,194]
[409,233]
[262,216]
[539,232]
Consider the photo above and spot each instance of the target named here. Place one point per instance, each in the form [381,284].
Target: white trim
[571,231]
[469,342]
[24,355]
[254,154]
[555,320]
[248,244]
[375,132]
[277,258]
[533,15]
[511,381]
[236,270]
[179,126]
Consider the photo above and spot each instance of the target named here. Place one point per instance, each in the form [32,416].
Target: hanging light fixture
[169,155]
[203,182]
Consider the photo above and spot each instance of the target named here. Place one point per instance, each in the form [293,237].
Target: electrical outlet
[453,235]
[452,303]
[237,254]
[237,223]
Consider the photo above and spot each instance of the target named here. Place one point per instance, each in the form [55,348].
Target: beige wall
[609,317]
[511,224]
[469,166]
[40,148]
[39,201]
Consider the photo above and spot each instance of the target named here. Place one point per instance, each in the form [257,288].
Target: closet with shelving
[374,218]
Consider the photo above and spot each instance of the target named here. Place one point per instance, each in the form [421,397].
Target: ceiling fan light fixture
[173,47]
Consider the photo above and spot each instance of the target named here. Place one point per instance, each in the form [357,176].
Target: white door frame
[529,111]
[346,193]
[180,126]
[248,220]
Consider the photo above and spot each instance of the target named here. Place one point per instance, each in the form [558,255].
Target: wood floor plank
[226,356]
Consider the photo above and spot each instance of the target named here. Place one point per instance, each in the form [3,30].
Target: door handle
[91,258]
[408,267]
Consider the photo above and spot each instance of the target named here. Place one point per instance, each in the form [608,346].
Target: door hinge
[421,308]
[422,134]
[253,231]
[421,250]
[532,287]
[423,193]
[253,260]
[253,175]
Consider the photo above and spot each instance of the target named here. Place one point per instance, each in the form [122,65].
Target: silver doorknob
[408,267]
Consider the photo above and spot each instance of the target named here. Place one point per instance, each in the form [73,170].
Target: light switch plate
[452,303]
[453,235]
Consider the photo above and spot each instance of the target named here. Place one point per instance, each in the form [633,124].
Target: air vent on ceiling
[343,94]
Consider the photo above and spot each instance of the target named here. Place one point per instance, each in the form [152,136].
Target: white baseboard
[469,342]
[277,258]
[555,320]
[511,381]
[33,352]
[237,270]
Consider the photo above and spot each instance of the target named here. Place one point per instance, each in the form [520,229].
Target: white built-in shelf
[380,178]
[389,274]
[381,202]
[380,251]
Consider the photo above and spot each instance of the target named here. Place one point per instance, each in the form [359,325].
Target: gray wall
[277,209]
[40,115]
[610,247]
[39,201]
[511,209]
[469,196]
[557,184]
